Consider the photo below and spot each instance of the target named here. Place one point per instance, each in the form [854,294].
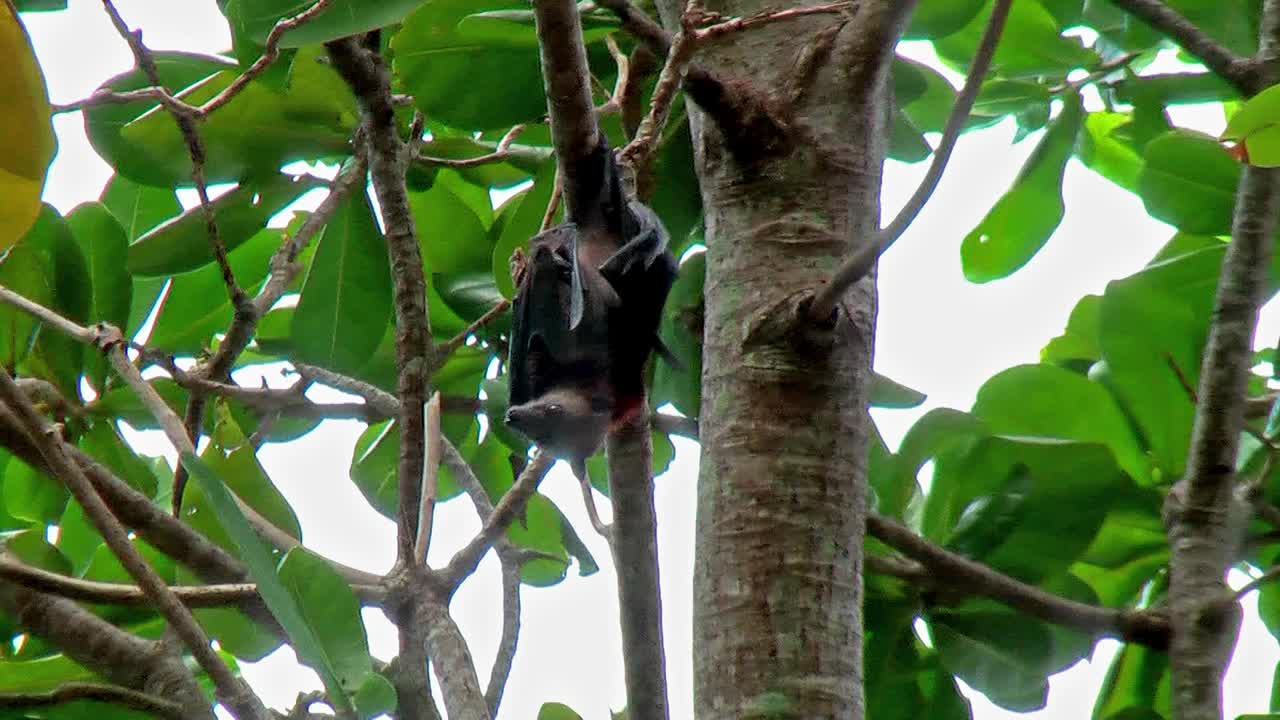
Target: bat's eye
[555,409]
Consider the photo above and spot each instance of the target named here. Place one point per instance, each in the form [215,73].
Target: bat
[585,317]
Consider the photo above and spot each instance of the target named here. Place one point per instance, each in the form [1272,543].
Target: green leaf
[681,331]
[103,443]
[524,217]
[1152,328]
[475,72]
[934,19]
[346,299]
[182,243]
[330,609]
[375,696]
[138,208]
[888,393]
[453,238]
[937,432]
[1104,150]
[1032,44]
[104,246]
[342,18]
[262,568]
[42,675]
[1044,541]
[985,646]
[1189,181]
[374,467]
[259,130]
[31,547]
[557,711]
[906,143]
[27,270]
[1046,401]
[77,539]
[676,198]
[929,110]
[197,305]
[1136,687]
[1079,341]
[56,357]
[1256,123]
[31,495]
[1022,220]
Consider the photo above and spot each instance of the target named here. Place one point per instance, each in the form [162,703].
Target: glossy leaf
[1079,341]
[681,331]
[1106,152]
[1022,220]
[330,609]
[1042,541]
[1046,401]
[1257,124]
[346,298]
[104,246]
[939,18]
[342,18]
[256,132]
[524,217]
[182,244]
[27,270]
[262,568]
[197,305]
[28,143]
[31,495]
[138,208]
[1189,181]
[453,238]
[1032,43]
[1152,329]
[1005,660]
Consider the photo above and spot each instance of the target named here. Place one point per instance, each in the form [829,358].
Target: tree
[1102,492]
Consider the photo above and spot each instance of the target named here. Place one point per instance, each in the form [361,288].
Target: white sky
[937,333]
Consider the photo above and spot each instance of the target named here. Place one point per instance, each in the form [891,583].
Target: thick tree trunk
[778,586]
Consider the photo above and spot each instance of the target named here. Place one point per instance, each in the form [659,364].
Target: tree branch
[857,265]
[76,691]
[231,689]
[364,71]
[112,653]
[1240,72]
[968,576]
[634,542]
[1204,517]
[105,593]
[508,508]
[574,132]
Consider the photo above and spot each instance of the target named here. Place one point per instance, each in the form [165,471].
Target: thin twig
[195,148]
[510,639]
[553,203]
[177,106]
[1240,72]
[365,72]
[639,152]
[593,513]
[508,508]
[430,480]
[857,265]
[502,152]
[383,402]
[231,689]
[726,27]
[105,593]
[451,346]
[1270,575]
[81,691]
[974,578]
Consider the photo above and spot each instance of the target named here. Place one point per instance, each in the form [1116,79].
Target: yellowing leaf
[26,135]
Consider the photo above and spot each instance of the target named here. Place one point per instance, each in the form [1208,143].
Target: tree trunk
[778,583]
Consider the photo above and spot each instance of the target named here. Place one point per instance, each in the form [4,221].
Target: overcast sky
[936,333]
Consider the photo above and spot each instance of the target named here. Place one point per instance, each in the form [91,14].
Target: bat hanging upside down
[585,317]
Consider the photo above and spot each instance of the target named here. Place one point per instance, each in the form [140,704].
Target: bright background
[936,333]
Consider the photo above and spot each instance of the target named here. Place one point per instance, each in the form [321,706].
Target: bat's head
[566,421]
